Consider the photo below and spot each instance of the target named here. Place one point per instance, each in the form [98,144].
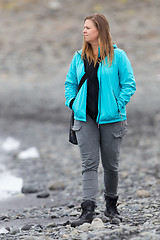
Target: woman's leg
[110,139]
[88,141]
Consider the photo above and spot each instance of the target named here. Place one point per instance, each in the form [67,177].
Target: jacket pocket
[77,125]
[119,133]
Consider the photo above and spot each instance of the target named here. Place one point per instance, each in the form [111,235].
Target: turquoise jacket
[116,86]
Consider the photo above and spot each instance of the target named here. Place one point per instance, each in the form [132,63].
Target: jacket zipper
[99,99]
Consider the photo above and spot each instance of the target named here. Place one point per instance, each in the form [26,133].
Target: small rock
[57,186]
[70,205]
[74,213]
[66,223]
[50,225]
[124,174]
[105,219]
[143,193]
[8,229]
[91,235]
[26,227]
[31,189]
[97,223]
[37,228]
[14,231]
[147,215]
[114,237]
[43,195]
[74,232]
[137,207]
[84,226]
[97,212]
[115,220]
[55,215]
[65,236]
[36,238]
[158,230]
[3,217]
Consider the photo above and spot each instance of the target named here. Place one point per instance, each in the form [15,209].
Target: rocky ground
[37,42]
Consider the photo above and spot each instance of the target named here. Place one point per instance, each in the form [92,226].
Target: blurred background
[37,41]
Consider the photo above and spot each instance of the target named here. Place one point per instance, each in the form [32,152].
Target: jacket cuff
[71,103]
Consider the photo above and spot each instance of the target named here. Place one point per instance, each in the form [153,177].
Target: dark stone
[70,206]
[26,227]
[43,195]
[115,220]
[2,218]
[31,189]
[8,229]
[66,223]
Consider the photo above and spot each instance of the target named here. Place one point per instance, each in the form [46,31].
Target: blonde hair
[105,40]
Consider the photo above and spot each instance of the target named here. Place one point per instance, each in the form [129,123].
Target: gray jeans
[93,139]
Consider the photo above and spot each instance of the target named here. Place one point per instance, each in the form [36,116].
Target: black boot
[111,208]
[87,213]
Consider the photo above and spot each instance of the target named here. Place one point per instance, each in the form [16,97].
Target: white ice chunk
[9,185]
[3,230]
[29,153]
[10,144]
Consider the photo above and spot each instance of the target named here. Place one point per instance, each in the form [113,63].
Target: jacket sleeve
[71,83]
[127,80]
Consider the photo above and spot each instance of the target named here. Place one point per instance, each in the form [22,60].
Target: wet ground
[37,43]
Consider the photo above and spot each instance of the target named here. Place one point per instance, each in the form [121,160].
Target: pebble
[43,195]
[70,205]
[55,215]
[84,226]
[97,223]
[137,207]
[115,221]
[51,225]
[26,227]
[57,186]
[14,231]
[143,193]
[74,213]
[105,219]
[37,238]
[3,217]
[31,189]
[65,236]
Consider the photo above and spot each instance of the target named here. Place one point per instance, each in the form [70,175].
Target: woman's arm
[127,80]
[71,84]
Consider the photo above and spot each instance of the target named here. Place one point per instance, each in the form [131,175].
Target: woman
[99,111]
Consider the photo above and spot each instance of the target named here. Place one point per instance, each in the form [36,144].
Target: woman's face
[90,31]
